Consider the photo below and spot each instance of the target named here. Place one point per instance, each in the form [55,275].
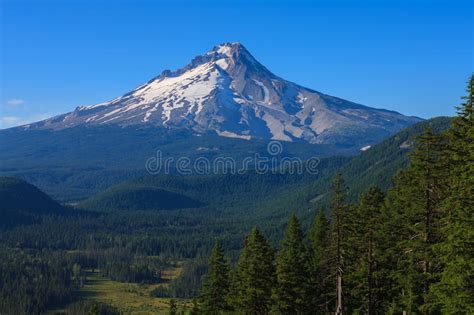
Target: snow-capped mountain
[228,92]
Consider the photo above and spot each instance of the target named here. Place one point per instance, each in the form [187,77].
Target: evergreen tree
[215,290]
[367,293]
[292,294]
[254,276]
[455,290]
[319,237]
[417,196]
[339,246]
[387,255]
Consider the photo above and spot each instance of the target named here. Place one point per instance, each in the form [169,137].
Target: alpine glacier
[228,92]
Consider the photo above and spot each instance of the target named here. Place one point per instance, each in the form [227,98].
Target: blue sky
[410,56]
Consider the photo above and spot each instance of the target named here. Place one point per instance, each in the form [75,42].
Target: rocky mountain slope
[227,91]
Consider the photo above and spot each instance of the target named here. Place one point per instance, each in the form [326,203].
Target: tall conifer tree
[339,246]
[215,290]
[417,196]
[292,294]
[455,290]
[367,275]
[254,276]
[319,238]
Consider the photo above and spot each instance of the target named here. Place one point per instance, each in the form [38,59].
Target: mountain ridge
[227,91]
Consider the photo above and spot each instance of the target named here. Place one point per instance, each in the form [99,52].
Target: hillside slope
[16,194]
[269,197]
[226,193]
[134,198]
[75,163]
[376,166]
[23,203]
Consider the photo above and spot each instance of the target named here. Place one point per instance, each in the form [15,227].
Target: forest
[387,232]
[408,251]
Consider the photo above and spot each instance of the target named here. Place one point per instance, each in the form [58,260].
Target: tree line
[409,251]
[29,284]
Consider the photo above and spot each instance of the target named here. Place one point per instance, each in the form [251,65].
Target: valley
[128,298]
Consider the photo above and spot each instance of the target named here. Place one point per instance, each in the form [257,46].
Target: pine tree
[216,286]
[254,276]
[417,196]
[319,238]
[339,247]
[390,234]
[318,235]
[367,276]
[292,294]
[455,290]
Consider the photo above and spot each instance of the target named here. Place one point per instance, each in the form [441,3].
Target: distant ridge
[22,203]
[19,195]
[133,198]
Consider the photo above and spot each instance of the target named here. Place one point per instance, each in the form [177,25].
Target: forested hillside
[22,203]
[17,194]
[258,193]
[75,163]
[376,166]
[408,251]
[130,198]
[224,192]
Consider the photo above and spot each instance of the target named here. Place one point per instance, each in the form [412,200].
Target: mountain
[207,109]
[228,92]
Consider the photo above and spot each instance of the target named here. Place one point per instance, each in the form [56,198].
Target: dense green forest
[408,251]
[75,163]
[347,240]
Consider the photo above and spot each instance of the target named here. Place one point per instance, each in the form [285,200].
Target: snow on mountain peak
[228,92]
[227,48]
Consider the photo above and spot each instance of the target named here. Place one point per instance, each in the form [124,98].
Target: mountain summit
[229,92]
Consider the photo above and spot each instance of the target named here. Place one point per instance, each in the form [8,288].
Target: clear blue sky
[410,56]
